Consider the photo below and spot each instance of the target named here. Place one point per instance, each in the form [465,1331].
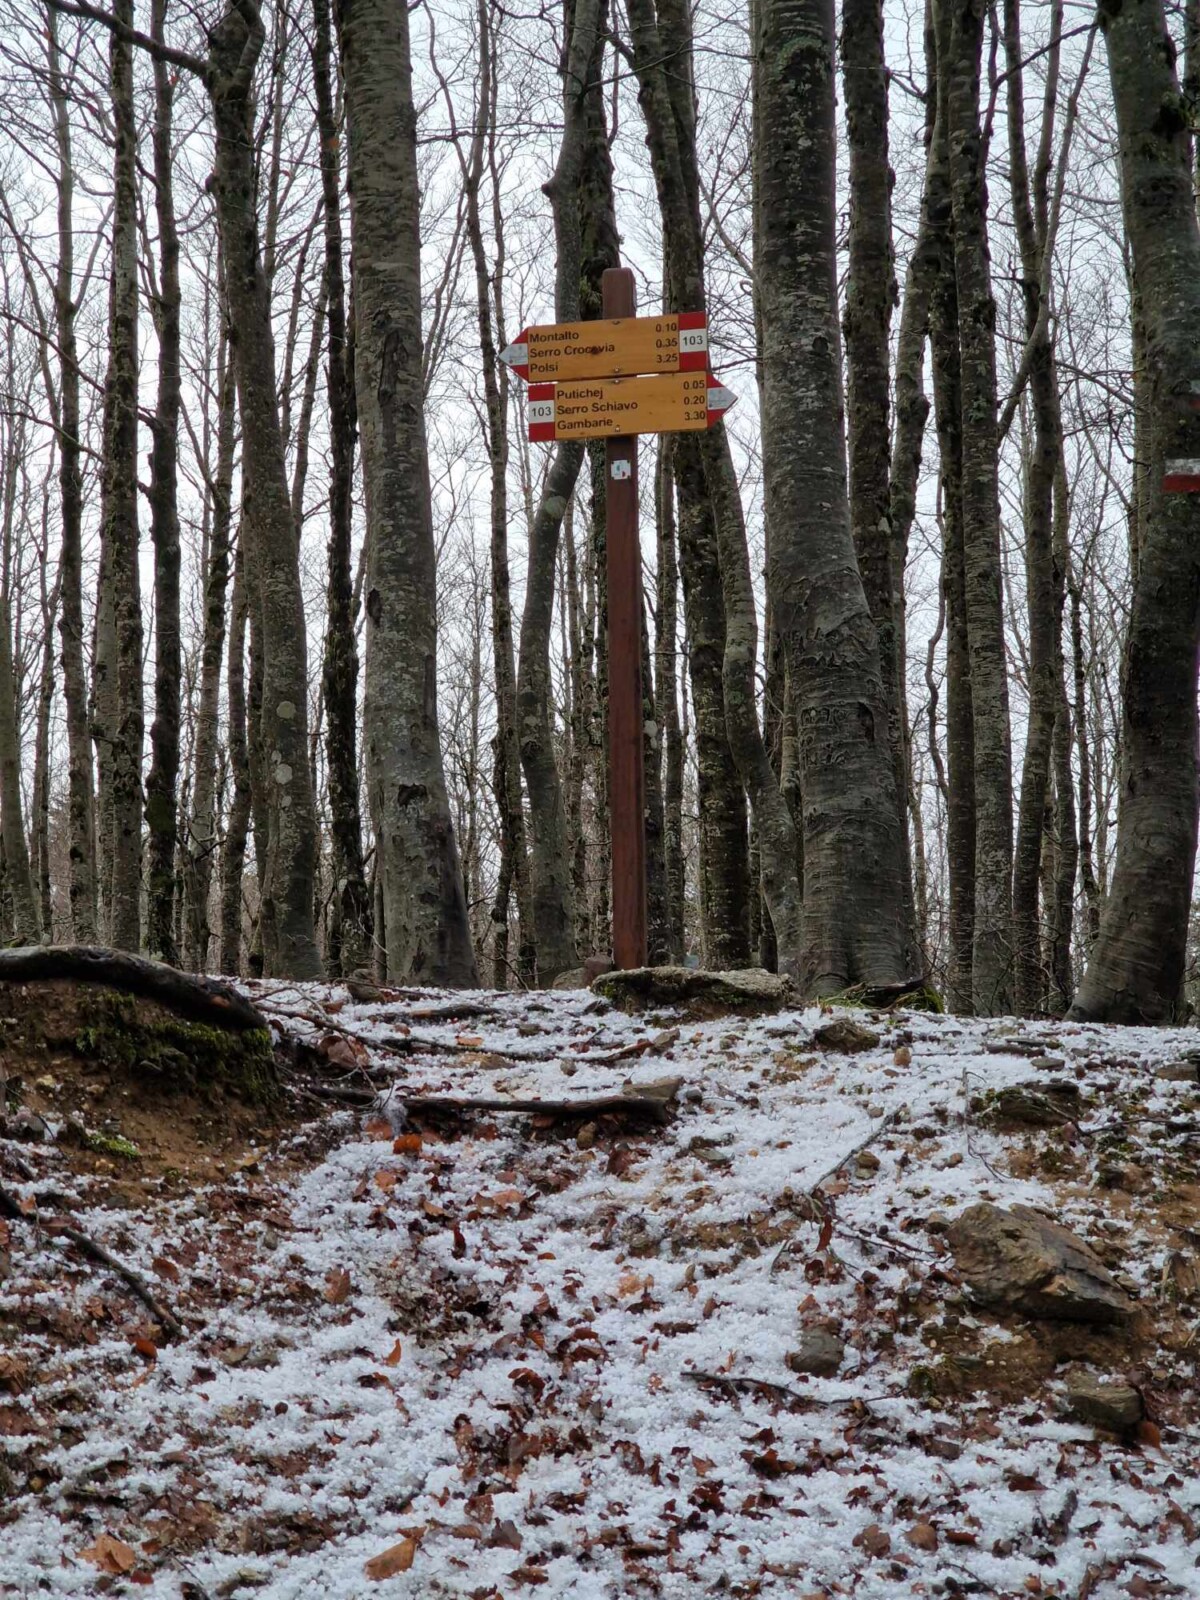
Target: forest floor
[486,1355]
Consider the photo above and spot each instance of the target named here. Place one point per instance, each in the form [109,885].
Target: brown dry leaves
[397,1558]
[112,1556]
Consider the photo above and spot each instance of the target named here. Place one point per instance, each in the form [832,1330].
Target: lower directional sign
[1181,477]
[676,402]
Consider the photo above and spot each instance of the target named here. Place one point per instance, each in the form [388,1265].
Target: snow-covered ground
[501,1359]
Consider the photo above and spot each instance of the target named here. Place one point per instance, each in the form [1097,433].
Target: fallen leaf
[922,1536]
[338,1050]
[337,1285]
[1149,1433]
[470,1041]
[377,1128]
[902,1056]
[399,1558]
[13,1373]
[166,1269]
[112,1556]
[145,1347]
[394,1359]
[386,1181]
[408,1144]
[873,1540]
[1024,1482]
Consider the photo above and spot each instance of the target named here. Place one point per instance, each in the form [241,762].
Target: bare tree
[425,930]
[855,921]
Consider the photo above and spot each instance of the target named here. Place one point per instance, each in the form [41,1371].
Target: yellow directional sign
[678,402]
[611,347]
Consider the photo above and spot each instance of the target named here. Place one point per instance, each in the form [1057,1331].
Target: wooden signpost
[612,379]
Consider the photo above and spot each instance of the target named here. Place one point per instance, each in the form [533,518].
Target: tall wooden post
[626,770]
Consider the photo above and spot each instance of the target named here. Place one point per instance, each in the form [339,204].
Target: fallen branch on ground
[653,1101]
[726,1380]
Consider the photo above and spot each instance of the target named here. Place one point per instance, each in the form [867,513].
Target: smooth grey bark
[237,824]
[272,560]
[579,750]
[1040,468]
[80,814]
[43,883]
[580,194]
[119,715]
[1137,964]
[18,878]
[513,878]
[871,293]
[352,920]
[162,781]
[706,479]
[426,932]
[666,695]
[959,786]
[853,838]
[960,44]
[201,840]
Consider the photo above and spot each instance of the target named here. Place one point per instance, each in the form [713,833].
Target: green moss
[112,1144]
[124,1037]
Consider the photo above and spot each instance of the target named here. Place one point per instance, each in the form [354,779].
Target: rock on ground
[1115,1406]
[1020,1258]
[751,993]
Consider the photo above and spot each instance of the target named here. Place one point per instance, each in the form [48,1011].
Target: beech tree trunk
[666,697]
[201,840]
[18,879]
[339,681]
[425,932]
[706,480]
[162,781]
[960,44]
[871,293]
[237,826]
[513,877]
[1137,964]
[272,561]
[855,919]
[947,400]
[580,193]
[118,723]
[81,834]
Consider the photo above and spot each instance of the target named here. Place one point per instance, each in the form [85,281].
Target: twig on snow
[58,1228]
[97,1252]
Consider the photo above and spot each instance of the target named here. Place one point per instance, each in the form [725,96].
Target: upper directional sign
[669,403]
[615,347]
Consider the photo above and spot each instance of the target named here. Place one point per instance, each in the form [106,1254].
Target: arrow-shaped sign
[610,347]
[616,407]
[1179,477]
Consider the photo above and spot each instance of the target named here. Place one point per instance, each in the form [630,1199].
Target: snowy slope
[516,1361]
